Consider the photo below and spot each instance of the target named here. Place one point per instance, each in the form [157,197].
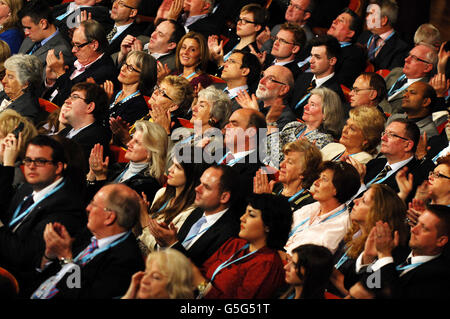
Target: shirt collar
[108,240]
[321,81]
[234,91]
[39,195]
[49,37]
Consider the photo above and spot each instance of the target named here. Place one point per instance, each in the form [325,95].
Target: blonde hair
[429,34]
[5,53]
[183,91]
[371,122]
[155,141]
[9,120]
[178,270]
[14,7]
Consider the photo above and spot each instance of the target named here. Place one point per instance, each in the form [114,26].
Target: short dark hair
[178,31]
[94,30]
[36,10]
[443,213]
[346,179]
[297,31]
[94,93]
[331,44]
[259,13]
[430,93]
[58,153]
[356,24]
[227,181]
[412,131]
[276,214]
[251,62]
[377,83]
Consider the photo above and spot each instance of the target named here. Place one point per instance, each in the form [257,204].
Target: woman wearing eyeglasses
[252,19]
[137,78]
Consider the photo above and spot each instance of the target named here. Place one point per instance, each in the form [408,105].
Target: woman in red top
[250,266]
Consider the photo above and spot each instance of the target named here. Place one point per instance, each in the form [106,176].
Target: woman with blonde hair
[168,275]
[10,28]
[146,153]
[379,202]
[360,136]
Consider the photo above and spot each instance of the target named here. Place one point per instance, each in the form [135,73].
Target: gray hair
[428,33]
[332,109]
[389,9]
[220,105]
[126,205]
[28,69]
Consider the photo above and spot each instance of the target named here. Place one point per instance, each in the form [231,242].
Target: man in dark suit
[346,29]
[89,47]
[83,111]
[424,274]
[102,260]
[41,33]
[198,17]
[47,196]
[398,145]
[209,225]
[241,72]
[67,15]
[289,42]
[385,48]
[325,53]
[123,13]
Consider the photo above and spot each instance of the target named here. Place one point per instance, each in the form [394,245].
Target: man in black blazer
[218,221]
[325,53]
[346,29]
[89,46]
[83,113]
[398,145]
[102,260]
[424,274]
[385,48]
[123,13]
[47,196]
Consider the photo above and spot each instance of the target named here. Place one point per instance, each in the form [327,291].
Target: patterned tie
[194,231]
[382,174]
[311,86]
[111,34]
[372,49]
[34,48]
[88,250]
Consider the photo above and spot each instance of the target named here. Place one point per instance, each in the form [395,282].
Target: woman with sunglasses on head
[252,19]
[137,78]
[169,104]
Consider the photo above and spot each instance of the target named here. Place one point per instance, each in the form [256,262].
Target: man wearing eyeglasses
[48,196]
[418,105]
[89,47]
[418,66]
[398,146]
[123,13]
[41,34]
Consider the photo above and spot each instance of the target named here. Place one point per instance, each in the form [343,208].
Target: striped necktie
[382,174]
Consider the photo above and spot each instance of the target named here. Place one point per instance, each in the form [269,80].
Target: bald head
[276,83]
[125,202]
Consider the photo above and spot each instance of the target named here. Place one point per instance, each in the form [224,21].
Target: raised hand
[247,101]
[108,86]
[404,182]
[55,63]
[11,149]
[165,235]
[261,183]
[134,285]
[98,168]
[120,129]
[263,37]
[384,242]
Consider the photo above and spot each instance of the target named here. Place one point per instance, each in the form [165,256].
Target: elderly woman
[12,148]
[10,28]
[169,103]
[210,113]
[298,170]
[249,267]
[323,119]
[144,172]
[326,221]
[308,272]
[22,78]
[379,202]
[137,78]
[167,275]
[360,136]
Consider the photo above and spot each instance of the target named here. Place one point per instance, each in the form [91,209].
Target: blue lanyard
[302,100]
[163,206]
[230,163]
[186,240]
[390,93]
[293,196]
[329,217]
[345,44]
[342,260]
[384,41]
[408,266]
[300,133]
[90,256]
[229,262]
[437,156]
[190,75]
[229,53]
[187,140]
[380,181]
[129,97]
[16,219]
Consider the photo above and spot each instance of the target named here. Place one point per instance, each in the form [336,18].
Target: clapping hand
[98,168]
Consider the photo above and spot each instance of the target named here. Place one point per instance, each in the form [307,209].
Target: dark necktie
[372,49]
[111,34]
[397,85]
[34,48]
[382,174]
[311,86]
[28,201]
